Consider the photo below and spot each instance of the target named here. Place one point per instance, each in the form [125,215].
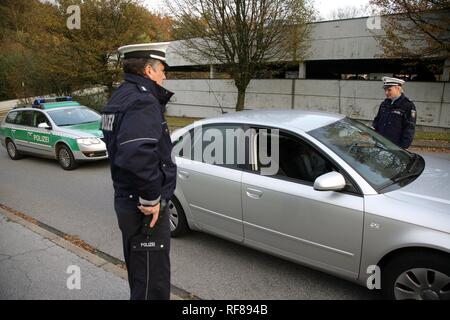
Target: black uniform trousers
[148,269]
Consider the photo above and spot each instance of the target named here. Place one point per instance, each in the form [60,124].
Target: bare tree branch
[243,35]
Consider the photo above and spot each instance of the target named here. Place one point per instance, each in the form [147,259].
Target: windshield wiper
[75,124]
[406,174]
[413,163]
[89,122]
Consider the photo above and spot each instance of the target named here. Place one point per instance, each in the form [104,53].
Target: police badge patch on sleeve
[413,114]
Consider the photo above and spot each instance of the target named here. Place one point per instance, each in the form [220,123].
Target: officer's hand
[151,210]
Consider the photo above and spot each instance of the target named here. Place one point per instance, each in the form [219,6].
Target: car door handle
[253,193]
[183,174]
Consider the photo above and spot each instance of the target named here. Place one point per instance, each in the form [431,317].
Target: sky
[324,7]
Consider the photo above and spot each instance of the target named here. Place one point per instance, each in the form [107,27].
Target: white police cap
[145,51]
[389,82]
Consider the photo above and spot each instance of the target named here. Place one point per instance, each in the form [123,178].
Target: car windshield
[73,116]
[378,160]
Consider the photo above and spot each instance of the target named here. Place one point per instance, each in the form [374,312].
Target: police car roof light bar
[38,102]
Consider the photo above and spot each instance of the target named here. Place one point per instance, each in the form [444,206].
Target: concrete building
[338,49]
[341,74]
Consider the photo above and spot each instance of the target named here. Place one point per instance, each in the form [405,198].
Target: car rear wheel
[12,150]
[178,222]
[66,158]
[418,276]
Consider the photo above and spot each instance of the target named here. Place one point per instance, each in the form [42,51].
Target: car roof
[288,119]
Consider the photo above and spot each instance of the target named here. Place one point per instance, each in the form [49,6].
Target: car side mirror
[331,181]
[44,125]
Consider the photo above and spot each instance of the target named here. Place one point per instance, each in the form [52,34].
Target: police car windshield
[73,116]
[374,157]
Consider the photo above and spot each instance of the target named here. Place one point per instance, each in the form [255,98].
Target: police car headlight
[88,141]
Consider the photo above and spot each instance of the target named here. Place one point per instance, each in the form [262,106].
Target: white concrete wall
[357,99]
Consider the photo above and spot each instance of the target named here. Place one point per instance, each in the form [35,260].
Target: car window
[38,118]
[223,145]
[295,160]
[374,157]
[11,117]
[24,118]
[73,116]
[183,145]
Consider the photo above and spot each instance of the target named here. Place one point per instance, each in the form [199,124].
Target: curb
[98,258]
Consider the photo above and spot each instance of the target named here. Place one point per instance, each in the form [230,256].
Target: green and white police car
[56,128]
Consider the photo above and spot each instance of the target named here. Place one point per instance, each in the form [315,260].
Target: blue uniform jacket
[397,121]
[138,140]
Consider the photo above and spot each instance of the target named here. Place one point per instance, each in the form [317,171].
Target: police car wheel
[12,150]
[66,158]
[417,276]
[178,222]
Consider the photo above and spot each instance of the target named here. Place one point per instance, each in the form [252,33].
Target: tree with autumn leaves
[41,55]
[415,29]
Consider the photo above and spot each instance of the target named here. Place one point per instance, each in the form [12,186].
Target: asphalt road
[80,203]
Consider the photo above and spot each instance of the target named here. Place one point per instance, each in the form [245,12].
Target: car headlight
[88,141]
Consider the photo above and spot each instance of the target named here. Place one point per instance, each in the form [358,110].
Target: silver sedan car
[322,190]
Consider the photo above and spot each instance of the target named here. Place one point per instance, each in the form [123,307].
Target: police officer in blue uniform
[396,118]
[143,174]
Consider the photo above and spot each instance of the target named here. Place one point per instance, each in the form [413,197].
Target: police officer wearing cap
[143,174]
[396,118]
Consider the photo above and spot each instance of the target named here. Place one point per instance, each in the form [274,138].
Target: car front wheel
[178,222]
[417,276]
[66,158]
[12,150]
